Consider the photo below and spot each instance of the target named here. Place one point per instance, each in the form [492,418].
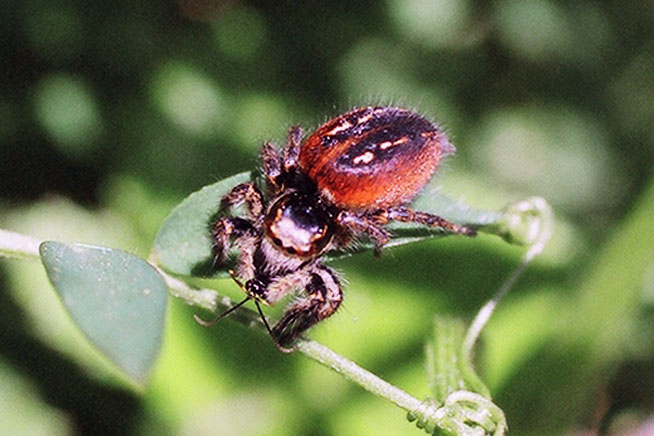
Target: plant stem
[17,246]
[358,375]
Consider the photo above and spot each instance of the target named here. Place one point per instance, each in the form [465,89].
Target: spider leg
[322,297]
[246,193]
[361,223]
[405,214]
[292,149]
[228,227]
[223,231]
[272,167]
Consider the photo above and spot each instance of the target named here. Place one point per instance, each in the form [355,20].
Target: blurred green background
[112,113]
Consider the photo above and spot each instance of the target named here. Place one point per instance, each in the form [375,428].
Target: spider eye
[299,224]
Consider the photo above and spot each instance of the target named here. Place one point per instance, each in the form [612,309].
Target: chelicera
[347,180]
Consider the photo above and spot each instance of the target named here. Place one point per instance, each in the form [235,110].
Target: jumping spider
[348,179]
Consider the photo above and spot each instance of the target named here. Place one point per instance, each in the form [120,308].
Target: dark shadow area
[37,169]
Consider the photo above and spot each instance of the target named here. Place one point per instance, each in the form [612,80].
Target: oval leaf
[183,244]
[118,300]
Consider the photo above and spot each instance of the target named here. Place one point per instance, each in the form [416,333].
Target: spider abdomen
[373,157]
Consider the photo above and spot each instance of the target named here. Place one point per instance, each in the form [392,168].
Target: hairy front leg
[322,297]
[246,193]
[227,228]
[223,231]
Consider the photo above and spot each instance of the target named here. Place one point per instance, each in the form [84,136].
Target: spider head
[299,224]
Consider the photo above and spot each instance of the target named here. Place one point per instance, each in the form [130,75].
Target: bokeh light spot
[535,29]
[66,109]
[260,118]
[188,99]
[530,147]
[433,23]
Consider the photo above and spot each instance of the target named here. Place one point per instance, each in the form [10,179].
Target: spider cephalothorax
[348,179]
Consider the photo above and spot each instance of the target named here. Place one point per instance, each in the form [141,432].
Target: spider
[347,180]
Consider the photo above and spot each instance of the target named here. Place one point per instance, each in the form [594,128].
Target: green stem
[17,246]
[358,375]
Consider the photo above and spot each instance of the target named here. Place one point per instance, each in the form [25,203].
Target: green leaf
[118,300]
[183,244]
